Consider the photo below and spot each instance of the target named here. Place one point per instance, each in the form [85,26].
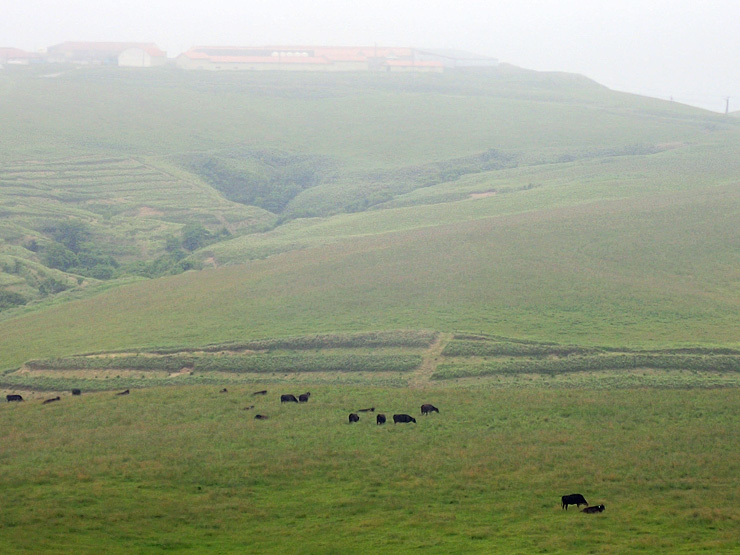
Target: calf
[47,401]
[573,499]
[426,409]
[371,409]
[123,392]
[263,392]
[304,398]
[224,390]
[354,418]
[594,509]
[13,397]
[288,399]
[380,419]
[403,418]
[76,392]
[260,417]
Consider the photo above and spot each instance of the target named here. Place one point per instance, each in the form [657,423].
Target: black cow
[123,392]
[76,392]
[573,499]
[288,399]
[426,409]
[13,397]
[371,409]
[224,390]
[260,417]
[594,509]
[353,417]
[380,419]
[403,418]
[263,392]
[47,401]
[304,398]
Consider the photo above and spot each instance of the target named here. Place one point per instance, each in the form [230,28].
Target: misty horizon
[683,51]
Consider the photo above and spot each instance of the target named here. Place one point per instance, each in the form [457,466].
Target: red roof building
[18,56]
[304,58]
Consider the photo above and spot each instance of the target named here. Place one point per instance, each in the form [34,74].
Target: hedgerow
[462,348]
[395,338]
[625,361]
[256,363]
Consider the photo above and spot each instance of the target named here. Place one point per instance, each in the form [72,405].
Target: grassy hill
[556,266]
[509,202]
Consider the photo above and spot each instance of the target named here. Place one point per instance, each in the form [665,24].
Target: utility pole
[727,105]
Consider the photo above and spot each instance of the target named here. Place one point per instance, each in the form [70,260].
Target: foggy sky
[687,50]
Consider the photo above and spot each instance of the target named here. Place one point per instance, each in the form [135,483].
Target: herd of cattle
[573,499]
[353,417]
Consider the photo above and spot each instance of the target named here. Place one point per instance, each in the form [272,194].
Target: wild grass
[189,469]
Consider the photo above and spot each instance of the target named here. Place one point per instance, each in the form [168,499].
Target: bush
[58,256]
[51,286]
[9,299]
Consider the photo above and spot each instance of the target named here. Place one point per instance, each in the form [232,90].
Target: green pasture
[652,272]
[562,262]
[189,469]
[274,163]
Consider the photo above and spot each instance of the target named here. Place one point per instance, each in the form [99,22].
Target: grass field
[188,469]
[552,264]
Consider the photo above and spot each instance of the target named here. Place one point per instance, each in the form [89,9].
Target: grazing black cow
[260,417]
[123,392]
[403,418]
[304,398]
[426,409]
[47,401]
[76,392]
[371,409]
[288,399]
[594,509]
[224,390]
[263,392]
[380,419]
[573,499]
[12,397]
[353,417]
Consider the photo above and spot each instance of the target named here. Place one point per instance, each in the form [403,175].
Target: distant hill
[540,203]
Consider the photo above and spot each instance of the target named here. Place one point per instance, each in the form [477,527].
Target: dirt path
[422,375]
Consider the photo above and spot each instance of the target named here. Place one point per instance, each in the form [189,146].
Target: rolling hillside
[531,205]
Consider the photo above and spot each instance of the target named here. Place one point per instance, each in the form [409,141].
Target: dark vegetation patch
[264,178]
[383,186]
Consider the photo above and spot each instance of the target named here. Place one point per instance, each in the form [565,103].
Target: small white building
[142,54]
[138,56]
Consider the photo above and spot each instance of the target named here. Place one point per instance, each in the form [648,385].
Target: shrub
[9,299]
